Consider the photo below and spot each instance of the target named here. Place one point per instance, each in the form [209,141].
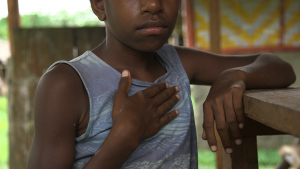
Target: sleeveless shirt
[173,147]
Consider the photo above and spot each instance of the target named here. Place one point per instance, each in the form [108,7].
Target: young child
[126,104]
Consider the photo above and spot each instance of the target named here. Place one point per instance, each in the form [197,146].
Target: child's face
[144,25]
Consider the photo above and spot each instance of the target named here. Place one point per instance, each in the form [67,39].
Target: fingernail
[176,111]
[125,73]
[177,88]
[178,97]
[214,148]
[241,125]
[228,150]
[167,85]
[238,142]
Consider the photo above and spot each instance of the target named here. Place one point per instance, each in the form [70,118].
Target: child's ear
[98,9]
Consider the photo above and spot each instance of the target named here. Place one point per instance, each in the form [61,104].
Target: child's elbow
[293,76]
[290,74]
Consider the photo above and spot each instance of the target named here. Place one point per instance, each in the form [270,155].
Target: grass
[267,159]
[3,133]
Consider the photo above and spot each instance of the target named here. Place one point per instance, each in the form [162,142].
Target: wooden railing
[267,112]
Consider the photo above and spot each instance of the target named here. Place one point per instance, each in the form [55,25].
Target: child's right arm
[61,103]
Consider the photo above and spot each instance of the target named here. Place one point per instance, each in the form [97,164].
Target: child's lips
[152,30]
[153,27]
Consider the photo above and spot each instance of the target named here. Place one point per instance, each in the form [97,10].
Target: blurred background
[38,33]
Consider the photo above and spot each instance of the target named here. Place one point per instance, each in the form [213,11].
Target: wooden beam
[245,156]
[215,47]
[282,22]
[255,128]
[215,26]
[13,20]
[276,108]
[188,20]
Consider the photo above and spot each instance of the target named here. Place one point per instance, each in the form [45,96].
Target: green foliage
[60,19]
[3,28]
[206,159]
[267,159]
[3,133]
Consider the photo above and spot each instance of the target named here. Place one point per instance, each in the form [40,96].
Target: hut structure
[225,27]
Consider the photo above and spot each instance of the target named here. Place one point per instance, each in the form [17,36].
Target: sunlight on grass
[267,159]
[206,159]
[3,133]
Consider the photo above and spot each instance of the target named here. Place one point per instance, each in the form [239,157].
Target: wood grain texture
[244,156]
[89,38]
[13,20]
[188,20]
[255,128]
[276,108]
[36,50]
[215,26]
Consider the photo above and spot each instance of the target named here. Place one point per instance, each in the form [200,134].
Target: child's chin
[149,47]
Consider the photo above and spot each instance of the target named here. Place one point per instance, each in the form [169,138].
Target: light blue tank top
[173,147]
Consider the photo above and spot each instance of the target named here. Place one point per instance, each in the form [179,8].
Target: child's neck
[142,65]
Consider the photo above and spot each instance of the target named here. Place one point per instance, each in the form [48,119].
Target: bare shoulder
[60,102]
[203,67]
[59,89]
[60,83]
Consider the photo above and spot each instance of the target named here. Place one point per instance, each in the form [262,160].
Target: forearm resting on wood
[267,71]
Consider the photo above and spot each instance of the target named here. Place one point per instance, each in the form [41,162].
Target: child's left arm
[229,77]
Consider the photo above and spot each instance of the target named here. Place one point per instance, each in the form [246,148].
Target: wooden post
[215,47]
[13,20]
[188,20]
[245,155]
[215,26]
[282,22]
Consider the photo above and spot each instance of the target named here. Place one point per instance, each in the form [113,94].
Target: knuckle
[236,89]
[206,105]
[169,117]
[165,120]
[218,99]
[211,141]
[239,108]
[168,105]
[240,119]
[231,120]
[208,125]
[161,87]
[153,105]
[236,135]
[221,127]
[174,100]
[165,95]
[226,143]
[157,125]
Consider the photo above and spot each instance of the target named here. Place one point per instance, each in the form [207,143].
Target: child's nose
[151,6]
